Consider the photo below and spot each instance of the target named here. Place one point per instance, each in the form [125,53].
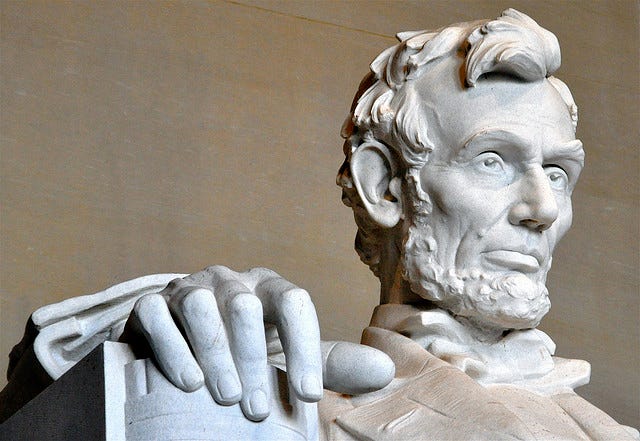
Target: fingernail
[229,388]
[258,405]
[192,378]
[311,387]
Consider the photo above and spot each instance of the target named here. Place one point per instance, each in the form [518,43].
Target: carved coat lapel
[429,399]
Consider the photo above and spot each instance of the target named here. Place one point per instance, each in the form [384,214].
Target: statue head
[461,159]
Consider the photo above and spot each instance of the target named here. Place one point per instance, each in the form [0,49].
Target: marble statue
[460,162]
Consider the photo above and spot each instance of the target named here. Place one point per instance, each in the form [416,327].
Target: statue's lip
[526,262]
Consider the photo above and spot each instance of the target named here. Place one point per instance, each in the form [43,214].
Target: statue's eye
[490,161]
[557,177]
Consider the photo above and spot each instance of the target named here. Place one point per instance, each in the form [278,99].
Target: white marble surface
[461,187]
[103,103]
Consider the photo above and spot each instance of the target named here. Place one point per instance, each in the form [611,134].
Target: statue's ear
[373,170]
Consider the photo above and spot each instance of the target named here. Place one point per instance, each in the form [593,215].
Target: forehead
[533,112]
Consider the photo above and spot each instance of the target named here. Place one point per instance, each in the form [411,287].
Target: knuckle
[218,270]
[150,309]
[172,287]
[209,275]
[261,273]
[295,298]
[231,288]
[245,305]
[149,302]
[218,275]
[198,302]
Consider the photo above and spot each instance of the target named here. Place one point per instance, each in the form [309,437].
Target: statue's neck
[393,287]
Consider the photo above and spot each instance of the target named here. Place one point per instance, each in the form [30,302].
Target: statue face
[500,182]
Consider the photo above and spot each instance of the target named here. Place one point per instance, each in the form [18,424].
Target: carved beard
[510,301]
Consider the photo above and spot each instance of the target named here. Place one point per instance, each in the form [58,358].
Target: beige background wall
[142,137]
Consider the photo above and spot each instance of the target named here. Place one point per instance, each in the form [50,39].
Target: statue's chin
[488,301]
[504,318]
[504,302]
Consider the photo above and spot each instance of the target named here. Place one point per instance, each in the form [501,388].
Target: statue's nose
[536,206]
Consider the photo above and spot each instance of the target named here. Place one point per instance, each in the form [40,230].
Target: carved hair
[386,109]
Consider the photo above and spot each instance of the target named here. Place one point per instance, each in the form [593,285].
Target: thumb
[353,369]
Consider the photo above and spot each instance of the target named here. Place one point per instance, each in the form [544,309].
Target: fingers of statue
[354,369]
[222,314]
[292,311]
[244,315]
[197,311]
[153,319]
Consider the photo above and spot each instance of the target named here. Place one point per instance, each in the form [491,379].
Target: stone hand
[209,328]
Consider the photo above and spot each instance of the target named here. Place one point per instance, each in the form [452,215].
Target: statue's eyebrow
[491,137]
[568,151]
